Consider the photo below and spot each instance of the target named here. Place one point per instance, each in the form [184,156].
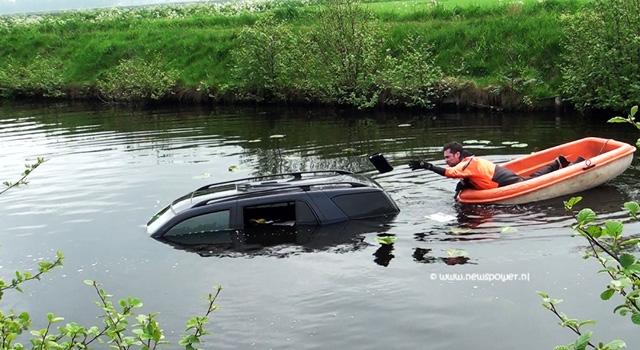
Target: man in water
[480,173]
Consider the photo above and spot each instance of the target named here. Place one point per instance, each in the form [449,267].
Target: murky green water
[110,170]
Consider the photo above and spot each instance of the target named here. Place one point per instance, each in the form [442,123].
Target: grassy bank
[490,54]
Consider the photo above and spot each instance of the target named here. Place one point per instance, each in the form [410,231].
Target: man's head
[452,153]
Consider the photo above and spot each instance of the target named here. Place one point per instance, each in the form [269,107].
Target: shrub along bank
[411,54]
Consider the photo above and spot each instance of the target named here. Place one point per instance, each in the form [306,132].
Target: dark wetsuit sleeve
[438,170]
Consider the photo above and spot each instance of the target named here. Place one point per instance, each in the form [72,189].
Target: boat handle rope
[588,164]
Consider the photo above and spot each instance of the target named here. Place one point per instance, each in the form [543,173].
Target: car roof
[260,186]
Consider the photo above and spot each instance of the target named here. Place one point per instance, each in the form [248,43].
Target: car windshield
[160,219]
[183,203]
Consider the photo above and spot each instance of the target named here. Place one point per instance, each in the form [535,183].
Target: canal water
[109,170]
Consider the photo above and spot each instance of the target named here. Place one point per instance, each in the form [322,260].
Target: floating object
[440,217]
[481,142]
[276,136]
[457,252]
[380,163]
[460,231]
[605,159]
[387,239]
[519,145]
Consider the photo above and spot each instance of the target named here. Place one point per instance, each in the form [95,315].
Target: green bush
[41,77]
[601,69]
[138,80]
[337,59]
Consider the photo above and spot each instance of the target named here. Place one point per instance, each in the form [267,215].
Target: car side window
[216,221]
[363,205]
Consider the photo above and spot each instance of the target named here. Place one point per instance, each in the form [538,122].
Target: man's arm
[421,164]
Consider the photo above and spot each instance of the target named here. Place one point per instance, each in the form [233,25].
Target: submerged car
[309,198]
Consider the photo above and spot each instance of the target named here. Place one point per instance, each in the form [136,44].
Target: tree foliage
[338,58]
[601,69]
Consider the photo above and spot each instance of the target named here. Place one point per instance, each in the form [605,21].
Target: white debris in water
[441,217]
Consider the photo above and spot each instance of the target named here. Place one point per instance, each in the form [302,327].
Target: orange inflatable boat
[604,160]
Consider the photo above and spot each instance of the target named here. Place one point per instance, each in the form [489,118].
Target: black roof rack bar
[305,187]
[296,175]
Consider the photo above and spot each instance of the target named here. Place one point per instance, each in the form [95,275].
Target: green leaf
[616,345]
[631,241]
[586,216]
[632,207]
[627,260]
[572,202]
[594,231]
[634,110]
[587,322]
[620,307]
[542,294]
[89,282]
[607,294]
[633,268]
[583,340]
[617,120]
[614,228]
[561,347]
[635,318]
[621,283]
[386,239]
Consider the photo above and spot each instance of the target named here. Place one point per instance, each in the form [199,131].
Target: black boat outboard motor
[380,163]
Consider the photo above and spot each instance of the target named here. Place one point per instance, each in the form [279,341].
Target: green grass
[480,41]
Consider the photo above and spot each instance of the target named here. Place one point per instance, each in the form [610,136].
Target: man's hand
[420,164]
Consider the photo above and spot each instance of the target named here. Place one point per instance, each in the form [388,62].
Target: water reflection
[283,242]
[478,222]
[423,256]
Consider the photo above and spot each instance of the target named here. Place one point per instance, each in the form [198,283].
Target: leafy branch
[631,119]
[606,244]
[145,333]
[23,179]
[612,250]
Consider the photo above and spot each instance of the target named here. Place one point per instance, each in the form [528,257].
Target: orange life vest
[482,174]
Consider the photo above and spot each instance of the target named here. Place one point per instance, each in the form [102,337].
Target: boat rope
[603,146]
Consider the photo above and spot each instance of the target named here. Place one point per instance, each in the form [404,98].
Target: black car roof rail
[306,187]
[296,176]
